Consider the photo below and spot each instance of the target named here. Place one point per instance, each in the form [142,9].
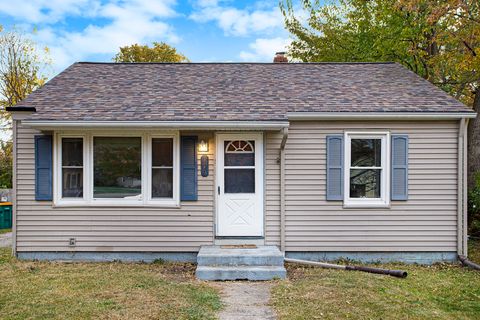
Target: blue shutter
[335,167]
[188,171]
[399,167]
[43,167]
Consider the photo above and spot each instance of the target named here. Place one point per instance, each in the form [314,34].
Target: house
[323,160]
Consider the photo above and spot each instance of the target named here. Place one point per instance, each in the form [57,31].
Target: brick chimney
[280,58]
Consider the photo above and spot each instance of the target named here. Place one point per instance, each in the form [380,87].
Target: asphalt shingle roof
[232,91]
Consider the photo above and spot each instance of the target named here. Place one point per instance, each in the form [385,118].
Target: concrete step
[260,256]
[252,273]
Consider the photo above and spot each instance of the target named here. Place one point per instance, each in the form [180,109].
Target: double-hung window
[115,170]
[366,170]
[72,174]
[163,182]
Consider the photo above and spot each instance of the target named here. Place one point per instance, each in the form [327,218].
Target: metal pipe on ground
[468,263]
[393,273]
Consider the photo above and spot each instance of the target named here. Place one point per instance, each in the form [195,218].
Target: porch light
[203,146]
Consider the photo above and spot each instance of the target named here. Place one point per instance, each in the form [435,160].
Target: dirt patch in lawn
[49,290]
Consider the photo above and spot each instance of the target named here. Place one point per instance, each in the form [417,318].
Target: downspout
[14,187]
[462,202]
[282,189]
[465,188]
[461,192]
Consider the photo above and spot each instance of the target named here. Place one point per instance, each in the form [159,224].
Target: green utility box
[5,215]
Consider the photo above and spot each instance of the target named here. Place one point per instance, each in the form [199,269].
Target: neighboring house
[325,160]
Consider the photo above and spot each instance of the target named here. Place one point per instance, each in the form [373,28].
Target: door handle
[218,190]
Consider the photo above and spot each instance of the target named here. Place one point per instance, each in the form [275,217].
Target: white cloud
[130,21]
[131,8]
[264,49]
[239,22]
[47,11]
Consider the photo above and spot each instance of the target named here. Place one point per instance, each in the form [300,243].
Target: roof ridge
[226,63]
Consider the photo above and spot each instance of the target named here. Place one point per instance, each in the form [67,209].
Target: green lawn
[44,290]
[2,231]
[442,291]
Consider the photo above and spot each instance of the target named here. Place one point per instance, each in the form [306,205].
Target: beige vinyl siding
[426,222]
[43,228]
[272,187]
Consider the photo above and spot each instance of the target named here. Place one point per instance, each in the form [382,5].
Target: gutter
[190,125]
[282,189]
[346,116]
[15,109]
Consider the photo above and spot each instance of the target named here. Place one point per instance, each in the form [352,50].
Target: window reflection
[117,167]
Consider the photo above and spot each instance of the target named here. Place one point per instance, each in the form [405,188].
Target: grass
[2,231]
[48,290]
[442,291]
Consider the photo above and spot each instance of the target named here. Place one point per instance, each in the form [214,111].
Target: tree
[6,164]
[21,66]
[160,52]
[355,30]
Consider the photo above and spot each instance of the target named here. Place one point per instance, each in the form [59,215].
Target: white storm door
[240,185]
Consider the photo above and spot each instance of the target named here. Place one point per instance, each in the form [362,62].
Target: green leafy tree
[354,30]
[6,164]
[160,52]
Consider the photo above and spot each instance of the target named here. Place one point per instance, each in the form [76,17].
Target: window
[239,166]
[116,169]
[72,167]
[162,168]
[366,166]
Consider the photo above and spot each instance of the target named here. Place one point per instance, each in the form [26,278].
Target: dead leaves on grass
[40,290]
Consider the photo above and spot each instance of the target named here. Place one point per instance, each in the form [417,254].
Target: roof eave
[351,116]
[184,125]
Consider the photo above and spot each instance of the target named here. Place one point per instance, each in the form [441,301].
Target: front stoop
[261,263]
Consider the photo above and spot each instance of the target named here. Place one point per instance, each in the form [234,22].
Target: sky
[203,30]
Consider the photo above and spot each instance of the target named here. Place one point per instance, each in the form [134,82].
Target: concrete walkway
[244,300]
[6,240]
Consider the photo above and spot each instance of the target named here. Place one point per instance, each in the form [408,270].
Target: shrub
[6,165]
[474,207]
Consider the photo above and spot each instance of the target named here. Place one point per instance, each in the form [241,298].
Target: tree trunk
[474,142]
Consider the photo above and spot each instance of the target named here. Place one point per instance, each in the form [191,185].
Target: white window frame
[145,199]
[176,170]
[58,172]
[384,200]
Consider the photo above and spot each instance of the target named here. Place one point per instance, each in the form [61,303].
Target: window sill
[116,205]
[366,205]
